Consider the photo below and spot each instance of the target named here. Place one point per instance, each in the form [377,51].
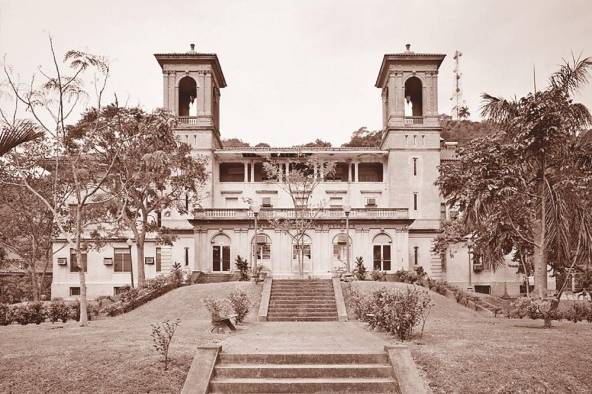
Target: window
[158,219]
[186,256]
[416,255]
[187,201]
[442,211]
[158,259]
[74,291]
[370,172]
[221,257]
[266,202]
[340,247]
[381,252]
[122,260]
[413,97]
[187,97]
[371,202]
[120,289]
[302,247]
[232,172]
[262,247]
[415,201]
[415,166]
[73,265]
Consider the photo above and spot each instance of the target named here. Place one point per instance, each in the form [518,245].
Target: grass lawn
[113,354]
[465,352]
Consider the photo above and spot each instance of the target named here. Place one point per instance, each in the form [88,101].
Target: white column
[245,176]
[349,172]
[208,93]
[252,171]
[357,172]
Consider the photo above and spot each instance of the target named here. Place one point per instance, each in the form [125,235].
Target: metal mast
[457,96]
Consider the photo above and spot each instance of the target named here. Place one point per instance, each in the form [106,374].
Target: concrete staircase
[302,300]
[436,270]
[303,373]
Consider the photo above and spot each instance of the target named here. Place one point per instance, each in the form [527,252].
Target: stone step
[305,308]
[289,315]
[303,358]
[303,370]
[302,319]
[303,297]
[306,385]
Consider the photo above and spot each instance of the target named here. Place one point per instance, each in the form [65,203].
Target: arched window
[221,253]
[413,97]
[261,247]
[340,248]
[381,252]
[187,97]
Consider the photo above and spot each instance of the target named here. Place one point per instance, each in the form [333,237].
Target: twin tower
[408,81]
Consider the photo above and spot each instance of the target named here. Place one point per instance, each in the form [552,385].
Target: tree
[263,145]
[77,172]
[300,182]
[317,143]
[27,231]
[16,133]
[526,187]
[152,171]
[235,143]
[365,137]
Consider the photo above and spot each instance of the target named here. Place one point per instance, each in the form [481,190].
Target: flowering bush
[240,304]
[219,308]
[378,276]
[397,311]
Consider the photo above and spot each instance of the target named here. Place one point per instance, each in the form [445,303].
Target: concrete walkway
[291,337]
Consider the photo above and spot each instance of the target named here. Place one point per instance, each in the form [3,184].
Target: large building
[386,193]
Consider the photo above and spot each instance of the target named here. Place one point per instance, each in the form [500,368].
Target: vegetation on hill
[365,137]
[234,143]
[462,131]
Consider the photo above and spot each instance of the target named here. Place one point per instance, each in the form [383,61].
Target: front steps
[304,373]
[302,300]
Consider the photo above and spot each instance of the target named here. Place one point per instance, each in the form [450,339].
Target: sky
[298,70]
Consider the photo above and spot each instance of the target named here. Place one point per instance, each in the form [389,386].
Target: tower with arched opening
[409,84]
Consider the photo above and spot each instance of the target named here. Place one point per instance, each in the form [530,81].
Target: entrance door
[382,257]
[302,252]
[221,258]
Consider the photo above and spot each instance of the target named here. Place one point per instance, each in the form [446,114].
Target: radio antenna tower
[459,110]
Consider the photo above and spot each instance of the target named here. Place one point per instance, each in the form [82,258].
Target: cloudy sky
[301,69]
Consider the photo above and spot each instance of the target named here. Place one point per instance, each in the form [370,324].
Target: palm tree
[12,136]
[543,126]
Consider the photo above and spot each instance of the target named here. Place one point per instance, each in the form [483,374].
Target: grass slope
[465,352]
[114,354]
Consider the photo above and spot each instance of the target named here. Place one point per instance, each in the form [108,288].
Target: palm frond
[497,109]
[12,136]
[572,75]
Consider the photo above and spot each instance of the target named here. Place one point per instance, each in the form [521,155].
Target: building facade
[381,203]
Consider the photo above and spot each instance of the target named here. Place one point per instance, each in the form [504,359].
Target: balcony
[188,120]
[290,213]
[413,120]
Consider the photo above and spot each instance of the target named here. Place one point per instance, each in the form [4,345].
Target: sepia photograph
[282,196]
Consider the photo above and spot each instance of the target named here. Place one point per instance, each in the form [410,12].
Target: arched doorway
[413,97]
[341,250]
[302,254]
[261,249]
[187,97]
[221,253]
[381,252]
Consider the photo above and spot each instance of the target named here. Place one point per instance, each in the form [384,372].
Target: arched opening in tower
[413,97]
[187,97]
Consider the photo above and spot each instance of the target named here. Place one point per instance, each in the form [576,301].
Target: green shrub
[20,313]
[219,308]
[57,311]
[243,267]
[360,270]
[378,276]
[398,311]
[240,304]
[177,274]
[579,311]
[162,335]
[75,311]
[359,304]
[5,315]
[36,312]
[158,282]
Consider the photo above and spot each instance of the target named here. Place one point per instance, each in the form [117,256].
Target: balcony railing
[190,120]
[411,120]
[290,213]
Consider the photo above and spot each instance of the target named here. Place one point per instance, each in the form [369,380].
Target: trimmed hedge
[134,298]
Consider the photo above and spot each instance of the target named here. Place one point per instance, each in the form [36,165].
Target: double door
[221,258]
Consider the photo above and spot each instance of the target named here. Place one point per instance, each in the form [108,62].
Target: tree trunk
[539,257]
[32,271]
[83,305]
[140,258]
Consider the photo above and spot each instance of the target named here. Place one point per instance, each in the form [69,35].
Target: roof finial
[408,47]
[192,46]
